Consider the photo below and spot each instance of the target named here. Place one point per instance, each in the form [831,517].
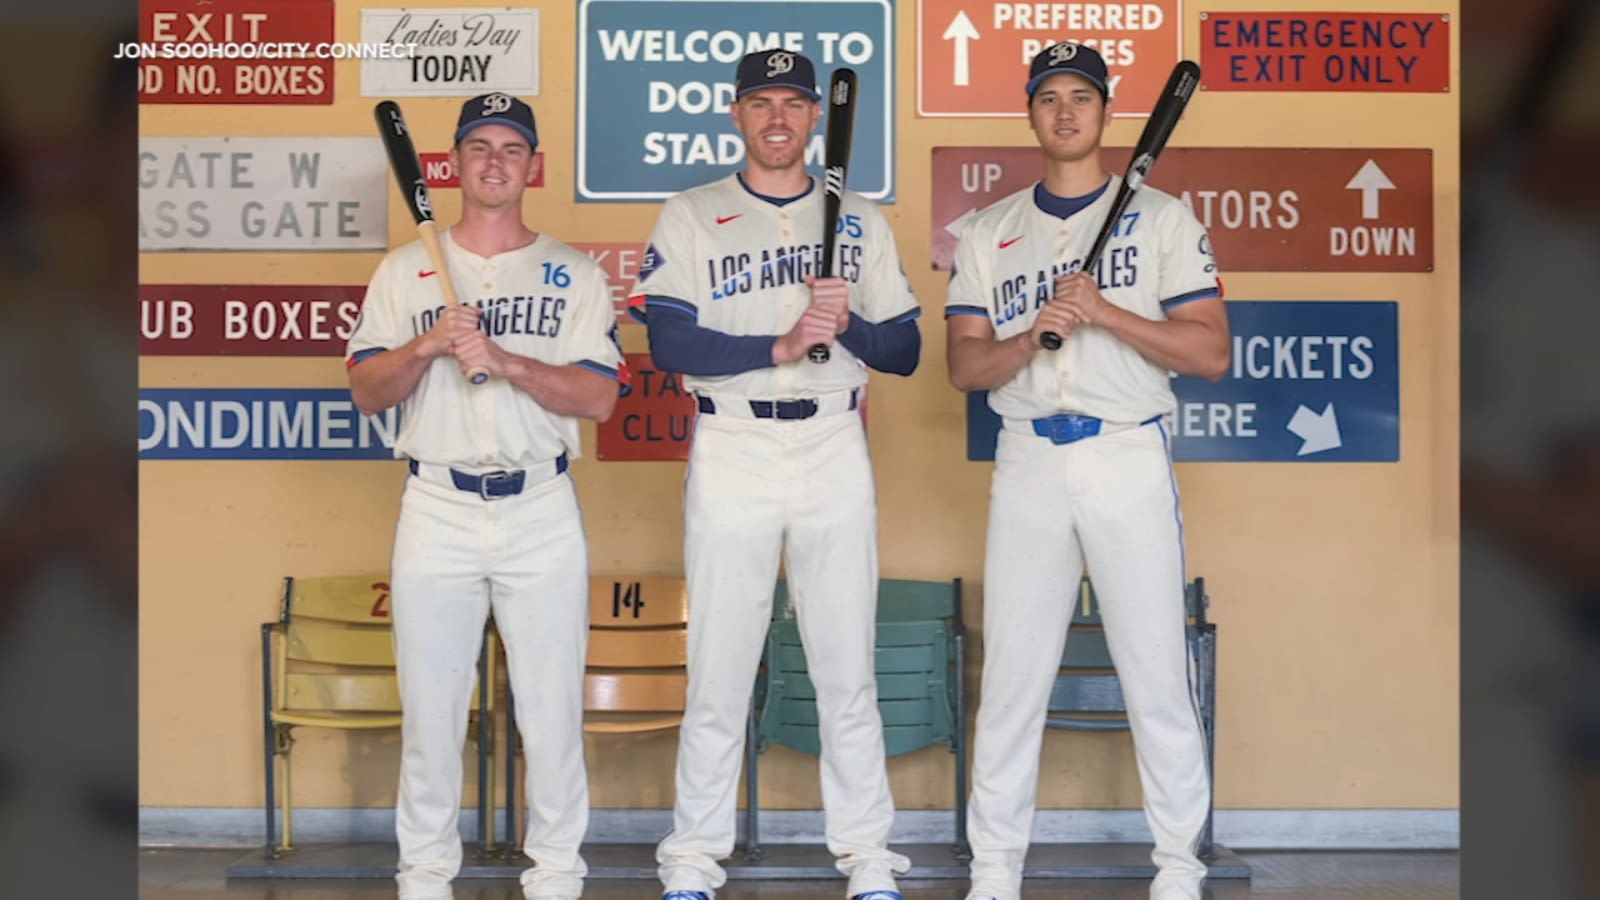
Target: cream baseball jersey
[1005,267]
[547,301]
[737,262]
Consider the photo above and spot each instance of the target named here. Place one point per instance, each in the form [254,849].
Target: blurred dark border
[1530,461]
[68,470]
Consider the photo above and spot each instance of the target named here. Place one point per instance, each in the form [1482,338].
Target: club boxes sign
[621,265]
[284,193]
[656,81]
[248,320]
[302,81]
[1283,51]
[1311,381]
[654,421]
[460,52]
[973,55]
[1267,209]
[261,423]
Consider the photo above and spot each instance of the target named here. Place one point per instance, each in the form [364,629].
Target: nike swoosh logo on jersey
[723,220]
[1005,244]
[424,274]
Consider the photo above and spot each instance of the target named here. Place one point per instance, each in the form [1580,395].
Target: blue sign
[655,83]
[261,423]
[1311,381]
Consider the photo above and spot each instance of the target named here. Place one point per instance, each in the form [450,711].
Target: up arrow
[1369,181]
[1317,431]
[961,31]
[960,223]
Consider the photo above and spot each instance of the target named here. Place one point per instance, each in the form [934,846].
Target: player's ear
[535,163]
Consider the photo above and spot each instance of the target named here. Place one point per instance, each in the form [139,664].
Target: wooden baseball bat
[407,168]
[1174,97]
[836,165]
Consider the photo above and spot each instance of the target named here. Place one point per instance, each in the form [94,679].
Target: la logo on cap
[780,63]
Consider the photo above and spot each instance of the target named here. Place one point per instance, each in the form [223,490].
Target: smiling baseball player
[1083,469]
[779,465]
[489,518]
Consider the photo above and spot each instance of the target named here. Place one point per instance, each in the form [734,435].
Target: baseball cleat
[878,895]
[686,895]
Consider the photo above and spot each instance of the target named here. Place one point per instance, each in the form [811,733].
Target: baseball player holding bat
[1083,470]
[730,291]
[489,519]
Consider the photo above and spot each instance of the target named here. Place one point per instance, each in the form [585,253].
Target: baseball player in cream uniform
[1083,469]
[779,467]
[489,519]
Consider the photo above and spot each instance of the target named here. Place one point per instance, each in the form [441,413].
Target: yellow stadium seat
[328,662]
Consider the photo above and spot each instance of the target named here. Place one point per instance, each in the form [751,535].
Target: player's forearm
[983,363]
[679,344]
[564,390]
[1183,346]
[382,380]
[894,347]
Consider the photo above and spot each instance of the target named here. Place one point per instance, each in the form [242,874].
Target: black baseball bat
[407,168]
[1174,97]
[836,163]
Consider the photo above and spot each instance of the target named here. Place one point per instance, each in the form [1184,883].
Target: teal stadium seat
[1087,695]
[919,662]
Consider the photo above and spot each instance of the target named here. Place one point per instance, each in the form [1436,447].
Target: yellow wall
[1338,623]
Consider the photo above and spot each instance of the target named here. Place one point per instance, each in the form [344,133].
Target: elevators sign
[1267,209]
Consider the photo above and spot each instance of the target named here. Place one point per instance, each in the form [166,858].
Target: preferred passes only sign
[973,55]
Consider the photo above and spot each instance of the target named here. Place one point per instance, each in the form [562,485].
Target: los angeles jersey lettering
[1005,267]
[546,301]
[737,263]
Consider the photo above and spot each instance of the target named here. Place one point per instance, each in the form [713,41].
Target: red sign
[439,173]
[1375,52]
[973,55]
[177,36]
[250,320]
[1267,209]
[621,262]
[654,421]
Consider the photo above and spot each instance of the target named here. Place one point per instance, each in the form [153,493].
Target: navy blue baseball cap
[498,109]
[776,68]
[1068,57]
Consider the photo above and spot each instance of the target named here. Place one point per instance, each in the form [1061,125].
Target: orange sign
[621,262]
[1267,209]
[655,420]
[973,55]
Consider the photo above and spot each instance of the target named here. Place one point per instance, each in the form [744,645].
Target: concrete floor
[193,874]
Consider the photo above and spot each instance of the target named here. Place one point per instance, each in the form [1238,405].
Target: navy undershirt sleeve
[680,344]
[893,346]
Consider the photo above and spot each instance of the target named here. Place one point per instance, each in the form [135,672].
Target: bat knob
[819,354]
[478,376]
[1050,340]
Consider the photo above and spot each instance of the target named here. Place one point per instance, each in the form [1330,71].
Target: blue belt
[1064,428]
[773,409]
[491,485]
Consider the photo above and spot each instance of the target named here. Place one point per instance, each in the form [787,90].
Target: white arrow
[1317,431]
[960,223]
[961,31]
[1369,181]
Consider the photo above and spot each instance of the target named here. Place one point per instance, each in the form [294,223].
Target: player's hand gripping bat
[1175,96]
[407,170]
[836,163]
